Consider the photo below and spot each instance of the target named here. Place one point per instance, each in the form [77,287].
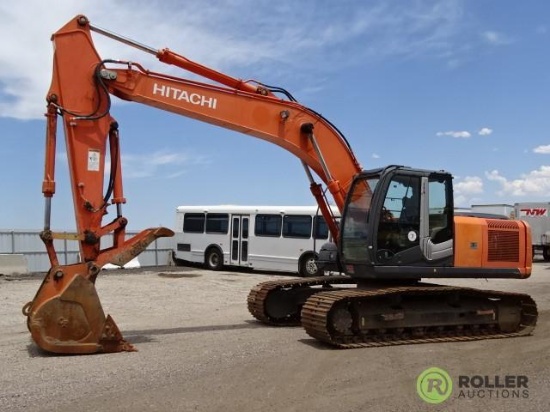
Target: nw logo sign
[533,212]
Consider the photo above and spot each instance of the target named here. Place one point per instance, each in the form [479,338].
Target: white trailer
[501,209]
[537,214]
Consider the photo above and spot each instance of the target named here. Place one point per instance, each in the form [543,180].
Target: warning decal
[93,160]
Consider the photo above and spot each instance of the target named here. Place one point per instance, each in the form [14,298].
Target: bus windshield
[354,223]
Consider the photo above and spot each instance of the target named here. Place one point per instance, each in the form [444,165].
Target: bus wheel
[213,259]
[308,266]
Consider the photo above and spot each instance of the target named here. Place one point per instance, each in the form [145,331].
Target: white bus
[278,238]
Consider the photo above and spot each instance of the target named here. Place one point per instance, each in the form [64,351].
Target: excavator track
[424,313]
[279,302]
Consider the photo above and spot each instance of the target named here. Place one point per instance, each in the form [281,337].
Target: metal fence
[29,244]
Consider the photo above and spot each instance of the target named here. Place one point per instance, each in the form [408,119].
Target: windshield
[354,224]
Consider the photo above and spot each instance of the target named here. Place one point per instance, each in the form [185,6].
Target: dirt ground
[200,350]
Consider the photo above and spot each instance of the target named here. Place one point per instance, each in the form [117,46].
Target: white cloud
[375,156]
[535,183]
[160,163]
[465,190]
[274,35]
[469,185]
[542,149]
[495,38]
[463,134]
[485,131]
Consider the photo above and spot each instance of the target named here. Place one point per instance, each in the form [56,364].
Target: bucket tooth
[111,338]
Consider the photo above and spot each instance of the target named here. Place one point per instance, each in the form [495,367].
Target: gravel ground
[200,350]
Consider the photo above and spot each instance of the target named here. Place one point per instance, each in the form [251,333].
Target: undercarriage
[341,312]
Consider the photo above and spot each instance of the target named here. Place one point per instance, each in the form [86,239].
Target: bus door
[239,239]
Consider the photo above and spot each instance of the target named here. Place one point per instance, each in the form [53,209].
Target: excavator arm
[66,316]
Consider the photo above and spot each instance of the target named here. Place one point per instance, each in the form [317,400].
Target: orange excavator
[398,224]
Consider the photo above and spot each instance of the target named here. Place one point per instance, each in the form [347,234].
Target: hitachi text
[184,95]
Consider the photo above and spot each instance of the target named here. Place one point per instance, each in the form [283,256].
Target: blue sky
[457,85]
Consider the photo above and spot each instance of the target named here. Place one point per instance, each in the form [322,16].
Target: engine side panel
[492,243]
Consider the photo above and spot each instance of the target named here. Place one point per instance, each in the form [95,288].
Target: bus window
[193,222]
[268,225]
[297,226]
[245,228]
[235,233]
[217,223]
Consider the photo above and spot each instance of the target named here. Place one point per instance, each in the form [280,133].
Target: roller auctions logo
[434,385]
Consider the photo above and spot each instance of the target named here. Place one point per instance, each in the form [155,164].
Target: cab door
[437,230]
[398,233]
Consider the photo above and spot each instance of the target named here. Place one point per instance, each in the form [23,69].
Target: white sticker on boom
[93,160]
[412,236]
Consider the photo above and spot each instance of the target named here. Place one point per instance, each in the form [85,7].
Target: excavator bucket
[66,316]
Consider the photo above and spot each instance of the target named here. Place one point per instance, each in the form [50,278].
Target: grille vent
[503,241]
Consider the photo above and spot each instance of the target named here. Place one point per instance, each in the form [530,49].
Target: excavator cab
[399,223]
[397,219]
[394,218]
